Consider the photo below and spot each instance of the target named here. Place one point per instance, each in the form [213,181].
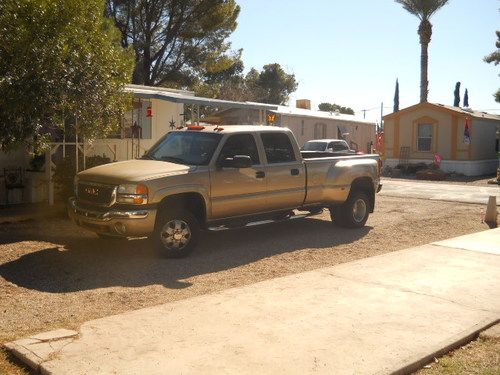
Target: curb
[417,363]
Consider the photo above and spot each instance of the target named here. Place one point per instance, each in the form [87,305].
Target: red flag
[467,139]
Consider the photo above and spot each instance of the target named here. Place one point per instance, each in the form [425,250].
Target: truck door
[286,177]
[238,191]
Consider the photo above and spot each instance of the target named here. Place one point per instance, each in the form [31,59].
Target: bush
[37,163]
[65,171]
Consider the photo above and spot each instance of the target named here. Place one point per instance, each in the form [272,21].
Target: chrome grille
[99,194]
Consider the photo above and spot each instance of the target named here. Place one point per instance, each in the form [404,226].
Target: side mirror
[237,161]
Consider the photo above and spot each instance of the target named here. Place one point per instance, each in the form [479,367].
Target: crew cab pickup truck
[210,177]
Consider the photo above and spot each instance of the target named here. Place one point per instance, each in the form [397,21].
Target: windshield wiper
[148,157]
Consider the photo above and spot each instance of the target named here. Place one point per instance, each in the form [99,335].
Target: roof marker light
[195,127]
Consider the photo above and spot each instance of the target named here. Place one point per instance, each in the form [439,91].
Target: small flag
[437,160]
[467,139]
[379,140]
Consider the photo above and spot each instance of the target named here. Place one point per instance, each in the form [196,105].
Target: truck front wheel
[176,233]
[354,212]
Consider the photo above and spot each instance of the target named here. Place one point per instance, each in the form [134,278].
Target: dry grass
[480,357]
[53,274]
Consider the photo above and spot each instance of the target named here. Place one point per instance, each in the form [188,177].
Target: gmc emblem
[91,191]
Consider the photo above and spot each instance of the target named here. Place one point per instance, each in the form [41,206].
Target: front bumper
[127,223]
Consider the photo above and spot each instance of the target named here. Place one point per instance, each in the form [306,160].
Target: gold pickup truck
[211,177]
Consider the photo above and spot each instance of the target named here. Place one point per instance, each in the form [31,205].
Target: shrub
[65,171]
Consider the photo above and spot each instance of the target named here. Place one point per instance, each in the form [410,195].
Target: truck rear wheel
[354,212]
[176,233]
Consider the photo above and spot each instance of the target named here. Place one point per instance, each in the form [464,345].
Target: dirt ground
[54,274]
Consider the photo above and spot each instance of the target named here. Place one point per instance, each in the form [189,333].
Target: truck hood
[133,171]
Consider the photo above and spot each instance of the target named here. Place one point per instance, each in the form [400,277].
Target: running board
[260,222]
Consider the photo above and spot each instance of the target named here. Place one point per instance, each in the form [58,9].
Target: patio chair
[14,179]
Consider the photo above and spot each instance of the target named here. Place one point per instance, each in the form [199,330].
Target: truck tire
[176,233]
[354,212]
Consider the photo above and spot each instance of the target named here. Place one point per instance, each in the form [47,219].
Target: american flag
[467,139]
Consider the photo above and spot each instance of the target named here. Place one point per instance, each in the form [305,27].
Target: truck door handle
[260,174]
[294,172]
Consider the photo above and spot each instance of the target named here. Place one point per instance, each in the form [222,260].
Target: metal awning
[187,98]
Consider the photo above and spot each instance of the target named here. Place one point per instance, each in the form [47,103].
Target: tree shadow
[89,263]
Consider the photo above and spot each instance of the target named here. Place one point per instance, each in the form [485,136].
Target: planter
[431,174]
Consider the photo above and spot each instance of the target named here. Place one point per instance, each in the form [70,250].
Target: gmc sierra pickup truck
[210,177]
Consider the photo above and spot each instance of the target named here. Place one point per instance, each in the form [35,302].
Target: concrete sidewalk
[384,314]
[440,191]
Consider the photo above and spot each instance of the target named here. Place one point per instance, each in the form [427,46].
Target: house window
[319,131]
[424,137]
[302,128]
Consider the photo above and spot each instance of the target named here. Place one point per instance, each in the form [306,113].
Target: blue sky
[351,52]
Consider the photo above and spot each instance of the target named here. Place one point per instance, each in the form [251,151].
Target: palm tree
[423,9]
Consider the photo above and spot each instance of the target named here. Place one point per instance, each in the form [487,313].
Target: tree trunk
[425,33]
[424,83]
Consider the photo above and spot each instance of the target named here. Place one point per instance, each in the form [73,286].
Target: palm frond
[423,9]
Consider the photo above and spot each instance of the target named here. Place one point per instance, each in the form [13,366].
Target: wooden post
[84,154]
[76,144]
[48,176]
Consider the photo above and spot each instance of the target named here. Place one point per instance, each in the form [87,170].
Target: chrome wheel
[175,234]
[359,210]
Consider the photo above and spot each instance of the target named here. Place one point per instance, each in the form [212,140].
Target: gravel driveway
[54,274]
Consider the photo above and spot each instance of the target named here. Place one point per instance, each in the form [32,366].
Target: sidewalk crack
[405,290]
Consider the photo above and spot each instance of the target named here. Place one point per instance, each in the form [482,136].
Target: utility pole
[364,113]
[381,114]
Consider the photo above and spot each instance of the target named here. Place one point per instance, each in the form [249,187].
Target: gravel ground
[54,274]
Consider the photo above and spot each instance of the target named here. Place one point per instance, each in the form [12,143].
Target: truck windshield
[189,148]
[315,146]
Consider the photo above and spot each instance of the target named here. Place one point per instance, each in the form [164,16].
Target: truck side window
[240,144]
[278,148]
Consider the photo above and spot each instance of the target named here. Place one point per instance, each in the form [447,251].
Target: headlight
[132,194]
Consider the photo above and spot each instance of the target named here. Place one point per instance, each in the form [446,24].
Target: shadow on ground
[84,263]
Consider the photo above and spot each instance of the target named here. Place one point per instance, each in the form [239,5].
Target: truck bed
[334,185]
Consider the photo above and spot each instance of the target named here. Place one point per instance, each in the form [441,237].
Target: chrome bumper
[128,223]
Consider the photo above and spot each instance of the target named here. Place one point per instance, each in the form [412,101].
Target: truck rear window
[315,146]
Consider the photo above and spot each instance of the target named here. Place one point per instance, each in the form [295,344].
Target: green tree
[423,9]
[271,85]
[59,57]
[176,40]
[277,85]
[494,57]
[396,97]
[329,107]
[456,95]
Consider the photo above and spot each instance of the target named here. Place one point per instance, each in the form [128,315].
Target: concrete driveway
[386,314]
[440,191]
